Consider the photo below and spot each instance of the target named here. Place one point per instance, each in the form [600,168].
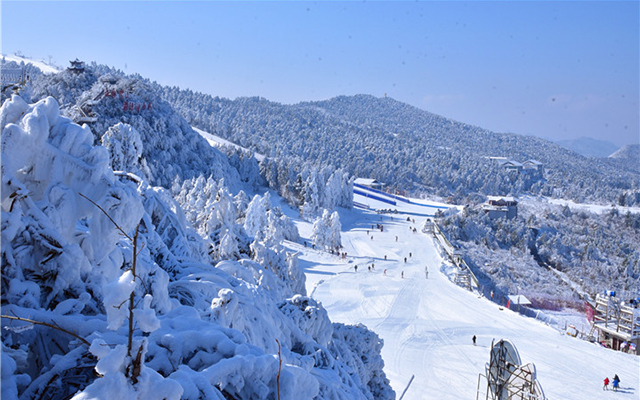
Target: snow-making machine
[507,378]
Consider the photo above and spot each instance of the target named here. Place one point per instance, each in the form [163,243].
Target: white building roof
[519,299]
[532,162]
[366,181]
[505,198]
[511,163]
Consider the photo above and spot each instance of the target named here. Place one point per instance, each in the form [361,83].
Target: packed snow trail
[427,324]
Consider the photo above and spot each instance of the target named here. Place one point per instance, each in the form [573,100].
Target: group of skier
[615,383]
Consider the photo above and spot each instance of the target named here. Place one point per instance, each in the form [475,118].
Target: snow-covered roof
[519,299]
[367,181]
[489,207]
[510,163]
[532,162]
[498,198]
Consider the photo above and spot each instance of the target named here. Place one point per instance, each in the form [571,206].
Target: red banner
[589,311]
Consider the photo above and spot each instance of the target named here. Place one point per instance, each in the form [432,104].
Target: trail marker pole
[407,388]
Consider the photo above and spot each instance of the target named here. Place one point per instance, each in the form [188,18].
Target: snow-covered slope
[217,141]
[427,324]
[40,64]
[629,151]
[628,156]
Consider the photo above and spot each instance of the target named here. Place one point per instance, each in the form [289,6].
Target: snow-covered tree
[125,149]
[256,216]
[326,231]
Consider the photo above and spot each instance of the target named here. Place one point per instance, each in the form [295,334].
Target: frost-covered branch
[52,326]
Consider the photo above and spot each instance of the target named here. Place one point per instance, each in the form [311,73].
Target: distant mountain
[589,147]
[629,156]
[628,151]
[405,147]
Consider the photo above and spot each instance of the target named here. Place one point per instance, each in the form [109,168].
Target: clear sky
[559,70]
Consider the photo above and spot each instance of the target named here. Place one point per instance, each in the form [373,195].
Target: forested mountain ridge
[407,148]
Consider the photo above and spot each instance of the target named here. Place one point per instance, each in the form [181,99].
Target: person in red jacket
[606,384]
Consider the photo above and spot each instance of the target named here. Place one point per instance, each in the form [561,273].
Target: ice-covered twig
[108,216]
[52,325]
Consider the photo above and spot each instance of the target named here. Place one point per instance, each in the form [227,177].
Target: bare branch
[108,216]
[50,325]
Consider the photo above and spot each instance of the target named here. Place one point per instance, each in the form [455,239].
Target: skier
[405,259]
[396,238]
[402,275]
[616,383]
[355,267]
[606,384]
[426,272]
[474,339]
[384,272]
[385,257]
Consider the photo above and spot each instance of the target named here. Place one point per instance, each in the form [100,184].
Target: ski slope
[427,324]
[41,64]
[217,141]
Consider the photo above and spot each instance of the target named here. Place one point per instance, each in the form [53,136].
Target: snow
[594,208]
[225,328]
[41,64]
[217,141]
[116,295]
[427,324]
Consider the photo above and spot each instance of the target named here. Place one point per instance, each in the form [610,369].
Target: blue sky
[551,69]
